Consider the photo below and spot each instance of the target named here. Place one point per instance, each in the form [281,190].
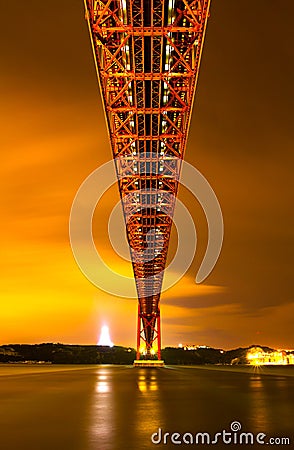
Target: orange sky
[53,136]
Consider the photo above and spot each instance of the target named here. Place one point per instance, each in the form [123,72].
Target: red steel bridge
[147,55]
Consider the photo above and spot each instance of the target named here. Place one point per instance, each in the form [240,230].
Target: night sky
[53,135]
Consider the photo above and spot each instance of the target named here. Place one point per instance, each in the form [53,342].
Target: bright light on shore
[105,337]
[256,356]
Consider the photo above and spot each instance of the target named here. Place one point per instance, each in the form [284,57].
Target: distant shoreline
[52,354]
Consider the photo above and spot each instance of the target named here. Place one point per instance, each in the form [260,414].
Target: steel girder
[147,55]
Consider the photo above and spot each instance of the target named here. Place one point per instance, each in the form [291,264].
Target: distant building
[256,356]
[193,347]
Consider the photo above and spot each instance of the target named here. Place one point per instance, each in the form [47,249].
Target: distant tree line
[97,354]
[67,354]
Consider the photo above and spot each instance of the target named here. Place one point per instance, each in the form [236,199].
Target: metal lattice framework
[147,55]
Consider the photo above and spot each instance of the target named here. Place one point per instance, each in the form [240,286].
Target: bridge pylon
[147,55]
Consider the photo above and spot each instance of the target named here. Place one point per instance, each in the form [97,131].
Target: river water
[120,407]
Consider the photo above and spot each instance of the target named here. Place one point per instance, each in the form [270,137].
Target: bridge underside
[147,54]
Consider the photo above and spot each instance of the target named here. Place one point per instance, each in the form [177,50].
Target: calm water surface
[120,407]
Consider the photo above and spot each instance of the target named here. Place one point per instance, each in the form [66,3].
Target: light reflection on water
[118,410]
[129,404]
[120,407]
[102,408]
[149,413]
[258,404]
[146,384]
[269,405]
[102,384]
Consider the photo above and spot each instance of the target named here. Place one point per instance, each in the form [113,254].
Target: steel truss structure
[147,55]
